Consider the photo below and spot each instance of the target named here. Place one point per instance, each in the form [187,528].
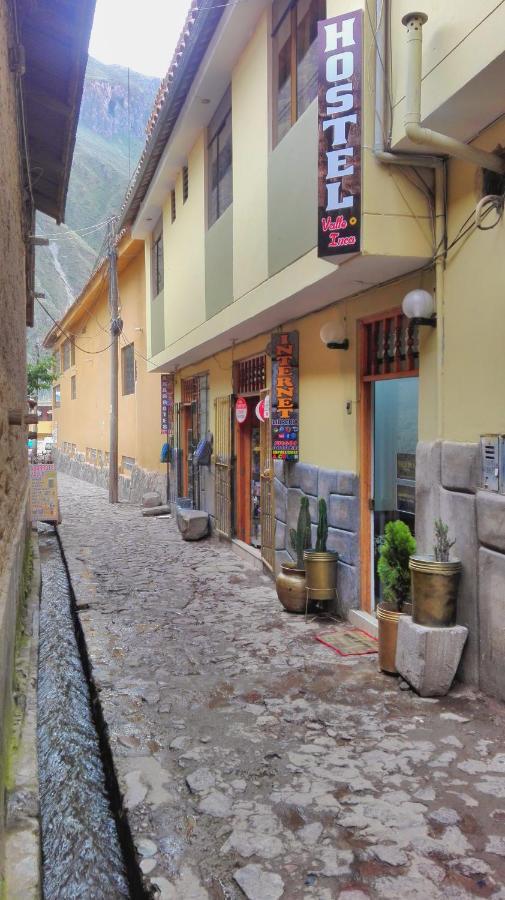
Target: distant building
[43,50]
[81,393]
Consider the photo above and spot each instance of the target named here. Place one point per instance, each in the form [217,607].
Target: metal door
[223,462]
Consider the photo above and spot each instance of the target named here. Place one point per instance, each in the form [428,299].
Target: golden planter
[388,619]
[291,588]
[321,574]
[434,591]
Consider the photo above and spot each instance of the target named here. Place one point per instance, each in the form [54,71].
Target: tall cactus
[301,536]
[322,527]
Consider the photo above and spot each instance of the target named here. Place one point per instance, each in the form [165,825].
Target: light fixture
[419,307]
[333,336]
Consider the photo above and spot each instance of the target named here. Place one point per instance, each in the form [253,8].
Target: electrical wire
[485,205]
[71,336]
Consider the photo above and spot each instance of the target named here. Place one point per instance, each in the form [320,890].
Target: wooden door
[223,463]
[267,515]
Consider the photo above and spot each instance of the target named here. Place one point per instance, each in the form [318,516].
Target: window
[68,353]
[128,369]
[73,388]
[57,363]
[56,396]
[157,260]
[91,456]
[185,183]
[127,464]
[295,57]
[173,206]
[220,160]
[250,375]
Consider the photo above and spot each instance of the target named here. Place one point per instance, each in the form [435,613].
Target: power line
[71,336]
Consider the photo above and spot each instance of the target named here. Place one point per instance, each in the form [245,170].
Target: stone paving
[253,760]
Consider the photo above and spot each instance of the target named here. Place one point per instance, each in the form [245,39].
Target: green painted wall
[292,193]
[157,324]
[219,264]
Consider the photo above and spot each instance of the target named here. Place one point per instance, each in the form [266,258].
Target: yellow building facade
[227,200]
[81,393]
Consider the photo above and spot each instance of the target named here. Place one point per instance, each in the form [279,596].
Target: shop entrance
[248,475]
[388,436]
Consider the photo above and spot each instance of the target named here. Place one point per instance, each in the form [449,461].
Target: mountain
[115,107]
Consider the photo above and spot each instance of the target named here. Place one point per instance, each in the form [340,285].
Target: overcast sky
[142,36]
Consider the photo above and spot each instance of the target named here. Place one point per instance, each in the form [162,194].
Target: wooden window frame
[185,183]
[290,12]
[57,396]
[124,376]
[157,261]
[367,379]
[250,375]
[73,387]
[214,131]
[173,206]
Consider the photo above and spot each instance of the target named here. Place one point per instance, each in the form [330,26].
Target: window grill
[189,390]
[250,375]
[173,206]
[391,346]
[185,183]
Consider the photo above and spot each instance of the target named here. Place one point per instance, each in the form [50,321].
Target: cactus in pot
[301,535]
[322,527]
[321,564]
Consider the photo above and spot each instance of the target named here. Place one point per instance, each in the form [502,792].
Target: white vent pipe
[449,146]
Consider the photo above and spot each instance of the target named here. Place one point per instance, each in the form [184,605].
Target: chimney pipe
[415,132]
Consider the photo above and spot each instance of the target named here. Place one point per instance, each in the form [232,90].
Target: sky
[141,36]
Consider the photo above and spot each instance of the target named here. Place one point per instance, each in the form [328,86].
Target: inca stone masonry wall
[447,486]
[130,489]
[13,456]
[292,481]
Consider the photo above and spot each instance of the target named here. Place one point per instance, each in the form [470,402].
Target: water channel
[82,855]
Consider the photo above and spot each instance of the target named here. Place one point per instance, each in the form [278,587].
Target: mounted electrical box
[501,462]
[490,462]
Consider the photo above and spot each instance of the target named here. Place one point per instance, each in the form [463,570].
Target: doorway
[389,394]
[248,472]
[395,405]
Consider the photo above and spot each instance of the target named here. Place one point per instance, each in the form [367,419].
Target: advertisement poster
[339,158]
[284,397]
[167,404]
[44,493]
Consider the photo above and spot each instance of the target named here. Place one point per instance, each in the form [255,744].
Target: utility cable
[71,336]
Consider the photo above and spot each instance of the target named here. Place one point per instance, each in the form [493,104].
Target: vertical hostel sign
[284,414]
[339,158]
[167,404]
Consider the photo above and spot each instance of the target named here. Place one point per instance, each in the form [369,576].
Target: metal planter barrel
[434,591]
[290,586]
[321,574]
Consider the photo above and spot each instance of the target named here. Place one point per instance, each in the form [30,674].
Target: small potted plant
[435,581]
[396,547]
[290,582]
[321,564]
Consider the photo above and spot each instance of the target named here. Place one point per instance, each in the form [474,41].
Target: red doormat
[352,642]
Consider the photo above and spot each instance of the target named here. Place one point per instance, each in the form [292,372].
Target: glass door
[395,403]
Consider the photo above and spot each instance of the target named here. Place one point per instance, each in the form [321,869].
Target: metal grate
[391,346]
[189,390]
[267,513]
[185,183]
[223,407]
[251,375]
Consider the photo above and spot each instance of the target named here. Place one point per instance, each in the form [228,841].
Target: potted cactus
[290,582]
[396,547]
[435,581]
[321,564]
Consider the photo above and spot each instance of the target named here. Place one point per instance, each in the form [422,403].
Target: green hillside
[110,138]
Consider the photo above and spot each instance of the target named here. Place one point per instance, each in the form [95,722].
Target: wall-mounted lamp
[333,336]
[419,307]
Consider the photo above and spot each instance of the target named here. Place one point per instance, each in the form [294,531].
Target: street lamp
[332,335]
[419,307]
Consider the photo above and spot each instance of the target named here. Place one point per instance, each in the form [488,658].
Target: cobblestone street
[253,760]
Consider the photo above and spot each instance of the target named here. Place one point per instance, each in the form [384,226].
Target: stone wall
[130,489]
[292,481]
[13,454]
[448,478]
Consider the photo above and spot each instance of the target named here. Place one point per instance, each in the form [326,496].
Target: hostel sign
[339,160]
[167,404]
[284,398]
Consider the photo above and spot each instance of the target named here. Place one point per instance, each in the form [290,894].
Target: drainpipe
[448,146]
[382,114]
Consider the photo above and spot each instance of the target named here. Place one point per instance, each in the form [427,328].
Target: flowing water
[82,856]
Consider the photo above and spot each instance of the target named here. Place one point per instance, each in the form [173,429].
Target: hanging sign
[263,408]
[167,404]
[339,162]
[241,410]
[285,396]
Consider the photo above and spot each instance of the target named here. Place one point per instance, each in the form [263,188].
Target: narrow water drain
[82,855]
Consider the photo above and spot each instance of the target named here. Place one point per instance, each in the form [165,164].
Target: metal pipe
[415,132]
[382,116]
